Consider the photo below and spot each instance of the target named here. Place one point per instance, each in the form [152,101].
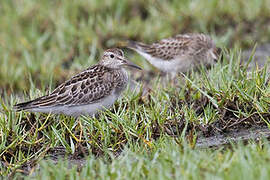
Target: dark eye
[112,56]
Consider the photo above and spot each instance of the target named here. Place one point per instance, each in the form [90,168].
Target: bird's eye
[112,56]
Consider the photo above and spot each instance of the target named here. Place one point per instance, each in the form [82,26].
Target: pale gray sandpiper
[180,53]
[94,89]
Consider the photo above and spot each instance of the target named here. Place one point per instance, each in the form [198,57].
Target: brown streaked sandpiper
[90,91]
[180,53]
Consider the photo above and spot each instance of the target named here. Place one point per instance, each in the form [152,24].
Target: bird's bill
[131,64]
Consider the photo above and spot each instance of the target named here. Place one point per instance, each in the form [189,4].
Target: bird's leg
[137,87]
[134,86]
[170,78]
[173,78]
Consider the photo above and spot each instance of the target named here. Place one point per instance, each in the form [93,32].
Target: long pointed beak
[130,64]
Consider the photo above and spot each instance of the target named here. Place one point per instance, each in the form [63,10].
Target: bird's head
[114,58]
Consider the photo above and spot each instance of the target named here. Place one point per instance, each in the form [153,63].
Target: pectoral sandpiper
[94,89]
[180,53]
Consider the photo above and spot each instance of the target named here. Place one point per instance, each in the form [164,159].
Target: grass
[167,160]
[153,136]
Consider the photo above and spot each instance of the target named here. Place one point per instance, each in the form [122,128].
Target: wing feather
[179,45]
[88,87]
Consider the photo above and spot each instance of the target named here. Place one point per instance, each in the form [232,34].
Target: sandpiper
[92,90]
[180,53]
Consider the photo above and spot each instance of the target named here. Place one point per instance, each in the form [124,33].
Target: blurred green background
[48,41]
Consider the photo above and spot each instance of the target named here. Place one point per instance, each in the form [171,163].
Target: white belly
[179,64]
[88,109]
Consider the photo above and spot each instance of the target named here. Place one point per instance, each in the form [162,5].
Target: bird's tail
[138,46]
[22,106]
[218,53]
[28,105]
